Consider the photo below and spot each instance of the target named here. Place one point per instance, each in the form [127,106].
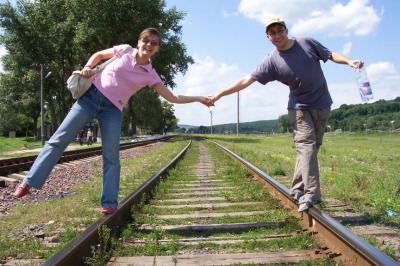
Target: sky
[227,41]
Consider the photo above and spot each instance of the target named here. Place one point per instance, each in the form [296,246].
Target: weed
[278,171]
[101,254]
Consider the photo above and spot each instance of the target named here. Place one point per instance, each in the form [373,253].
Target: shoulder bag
[78,84]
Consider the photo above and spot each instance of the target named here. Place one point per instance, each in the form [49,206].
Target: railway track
[209,212]
[14,169]
[73,168]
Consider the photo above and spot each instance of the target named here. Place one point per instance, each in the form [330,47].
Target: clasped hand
[208,101]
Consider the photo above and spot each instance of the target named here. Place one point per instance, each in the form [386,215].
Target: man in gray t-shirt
[296,63]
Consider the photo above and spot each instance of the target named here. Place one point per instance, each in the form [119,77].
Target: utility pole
[211,121]
[237,124]
[42,104]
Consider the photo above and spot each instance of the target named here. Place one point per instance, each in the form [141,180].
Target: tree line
[60,36]
[379,115]
[255,127]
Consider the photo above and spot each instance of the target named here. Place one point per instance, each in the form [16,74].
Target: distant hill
[379,115]
[187,127]
[256,127]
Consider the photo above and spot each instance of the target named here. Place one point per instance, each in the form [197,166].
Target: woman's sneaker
[21,190]
[107,210]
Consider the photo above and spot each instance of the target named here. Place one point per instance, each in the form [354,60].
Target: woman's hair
[150,31]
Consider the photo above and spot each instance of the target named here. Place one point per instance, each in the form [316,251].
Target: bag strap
[112,59]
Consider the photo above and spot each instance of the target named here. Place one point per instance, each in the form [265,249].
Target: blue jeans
[91,104]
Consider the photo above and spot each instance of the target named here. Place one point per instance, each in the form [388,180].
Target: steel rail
[80,247]
[343,244]
[13,165]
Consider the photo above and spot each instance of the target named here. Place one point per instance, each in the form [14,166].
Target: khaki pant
[309,128]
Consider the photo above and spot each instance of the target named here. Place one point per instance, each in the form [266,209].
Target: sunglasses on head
[152,42]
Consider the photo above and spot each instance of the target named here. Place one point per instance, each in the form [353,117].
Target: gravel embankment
[62,180]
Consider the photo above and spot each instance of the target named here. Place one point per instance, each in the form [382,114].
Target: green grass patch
[9,145]
[245,189]
[70,215]
[361,170]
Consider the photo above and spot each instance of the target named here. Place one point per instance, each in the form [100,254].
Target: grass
[153,247]
[245,189]
[72,214]
[27,146]
[361,170]
[8,145]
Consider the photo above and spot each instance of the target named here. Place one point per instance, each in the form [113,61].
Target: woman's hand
[211,100]
[206,101]
[86,72]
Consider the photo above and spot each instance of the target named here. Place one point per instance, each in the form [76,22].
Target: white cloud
[346,49]
[3,51]
[227,14]
[262,10]
[207,77]
[384,79]
[382,71]
[329,17]
[259,102]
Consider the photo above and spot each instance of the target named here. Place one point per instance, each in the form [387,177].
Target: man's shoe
[21,190]
[304,206]
[297,195]
[107,210]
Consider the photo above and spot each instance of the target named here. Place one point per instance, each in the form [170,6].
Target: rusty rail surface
[342,243]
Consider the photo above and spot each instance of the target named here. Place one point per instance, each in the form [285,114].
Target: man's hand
[211,100]
[206,101]
[357,64]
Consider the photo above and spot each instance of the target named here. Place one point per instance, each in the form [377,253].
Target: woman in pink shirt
[110,90]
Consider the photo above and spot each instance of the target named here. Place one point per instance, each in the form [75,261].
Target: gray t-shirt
[300,69]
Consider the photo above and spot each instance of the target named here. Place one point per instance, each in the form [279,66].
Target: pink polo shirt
[123,77]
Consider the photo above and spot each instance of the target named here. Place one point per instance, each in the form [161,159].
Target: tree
[169,119]
[283,124]
[62,34]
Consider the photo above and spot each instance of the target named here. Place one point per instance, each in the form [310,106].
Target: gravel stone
[62,180]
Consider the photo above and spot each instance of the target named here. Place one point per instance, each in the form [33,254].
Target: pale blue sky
[227,40]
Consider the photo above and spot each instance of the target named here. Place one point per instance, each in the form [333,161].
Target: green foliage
[377,115]
[283,124]
[170,120]
[101,254]
[61,35]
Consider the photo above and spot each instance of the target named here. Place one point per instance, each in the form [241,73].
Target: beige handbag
[78,84]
